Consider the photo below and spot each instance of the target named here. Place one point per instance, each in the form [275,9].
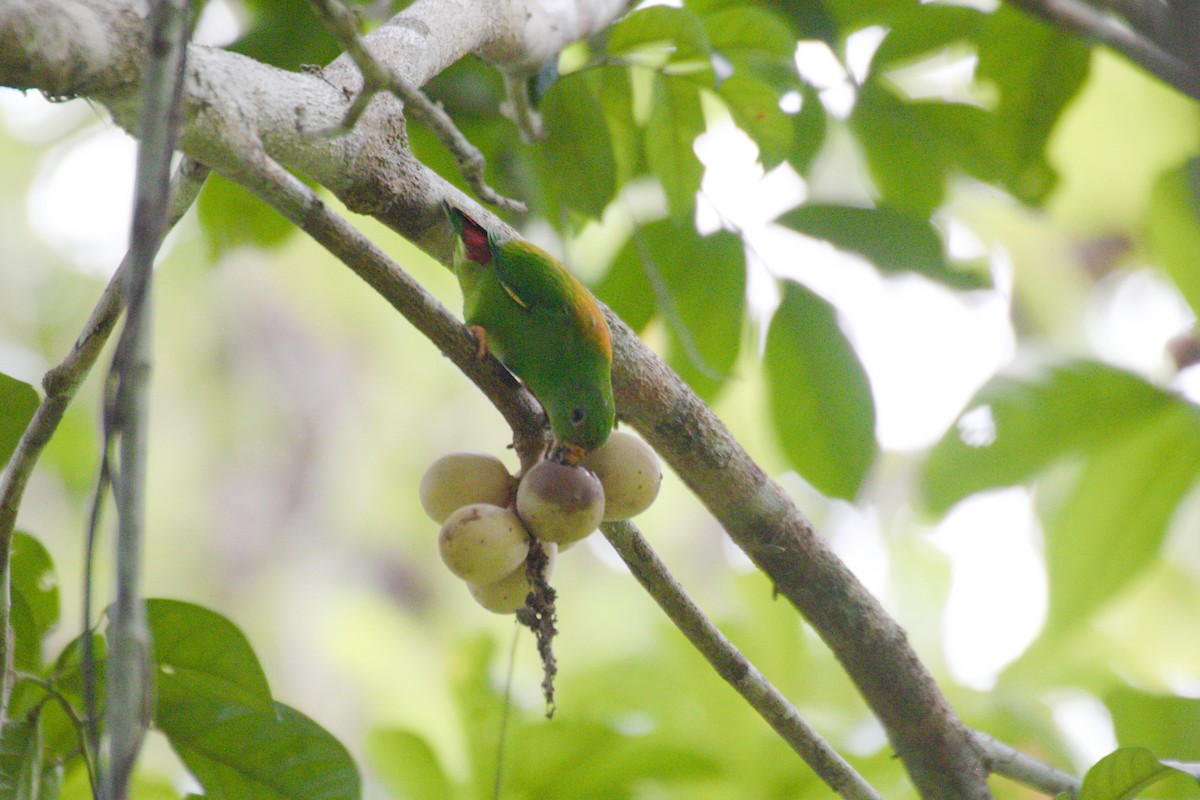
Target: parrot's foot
[480,336]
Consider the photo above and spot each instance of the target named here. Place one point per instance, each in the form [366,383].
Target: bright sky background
[926,349]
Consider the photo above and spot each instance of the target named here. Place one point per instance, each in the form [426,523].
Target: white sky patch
[949,75]
[81,203]
[1134,316]
[860,49]
[30,117]
[218,25]
[1087,725]
[998,592]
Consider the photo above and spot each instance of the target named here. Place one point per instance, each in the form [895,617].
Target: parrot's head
[583,418]
[473,237]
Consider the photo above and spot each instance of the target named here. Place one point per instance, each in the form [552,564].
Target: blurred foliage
[294,414]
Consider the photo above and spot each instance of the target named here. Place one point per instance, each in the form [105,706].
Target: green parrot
[543,325]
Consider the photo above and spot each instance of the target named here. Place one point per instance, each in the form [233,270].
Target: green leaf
[923,30]
[575,161]
[1016,426]
[746,34]
[1037,70]
[215,708]
[820,397]
[285,34]
[231,217]
[198,652]
[626,289]
[1172,228]
[407,765]
[675,121]
[909,147]
[239,753]
[1163,723]
[1125,772]
[34,599]
[581,760]
[1113,524]
[754,106]
[20,760]
[809,130]
[616,98]
[697,285]
[660,37]
[892,240]
[18,401]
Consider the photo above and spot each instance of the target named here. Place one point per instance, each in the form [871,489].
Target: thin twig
[379,77]
[1090,23]
[732,665]
[76,721]
[130,686]
[63,381]
[1006,760]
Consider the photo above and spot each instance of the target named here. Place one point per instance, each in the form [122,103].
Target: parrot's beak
[567,454]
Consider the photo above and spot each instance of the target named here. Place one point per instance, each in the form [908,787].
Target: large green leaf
[1122,774]
[1016,426]
[20,760]
[1172,228]
[1113,523]
[1163,723]
[674,123]
[820,397]
[671,39]
[746,34]
[239,753]
[892,240]
[285,34]
[581,760]
[214,706]
[231,217]
[616,98]
[1037,70]
[35,603]
[696,285]
[407,765]
[911,146]
[575,162]
[926,29]
[754,106]
[18,401]
[200,653]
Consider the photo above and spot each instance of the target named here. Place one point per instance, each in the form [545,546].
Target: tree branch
[245,117]
[379,77]
[1006,760]
[63,381]
[129,695]
[732,665]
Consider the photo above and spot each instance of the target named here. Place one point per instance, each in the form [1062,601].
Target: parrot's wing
[533,279]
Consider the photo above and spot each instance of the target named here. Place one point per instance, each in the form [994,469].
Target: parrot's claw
[480,336]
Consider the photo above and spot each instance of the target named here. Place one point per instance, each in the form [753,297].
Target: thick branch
[238,109]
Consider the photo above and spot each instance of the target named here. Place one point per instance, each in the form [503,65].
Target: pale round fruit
[628,469]
[508,594]
[482,543]
[460,479]
[560,503]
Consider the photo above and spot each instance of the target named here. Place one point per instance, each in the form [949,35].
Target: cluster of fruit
[489,518]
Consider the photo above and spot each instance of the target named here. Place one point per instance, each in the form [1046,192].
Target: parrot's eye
[578,416]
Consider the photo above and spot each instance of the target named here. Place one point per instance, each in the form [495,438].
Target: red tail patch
[475,240]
